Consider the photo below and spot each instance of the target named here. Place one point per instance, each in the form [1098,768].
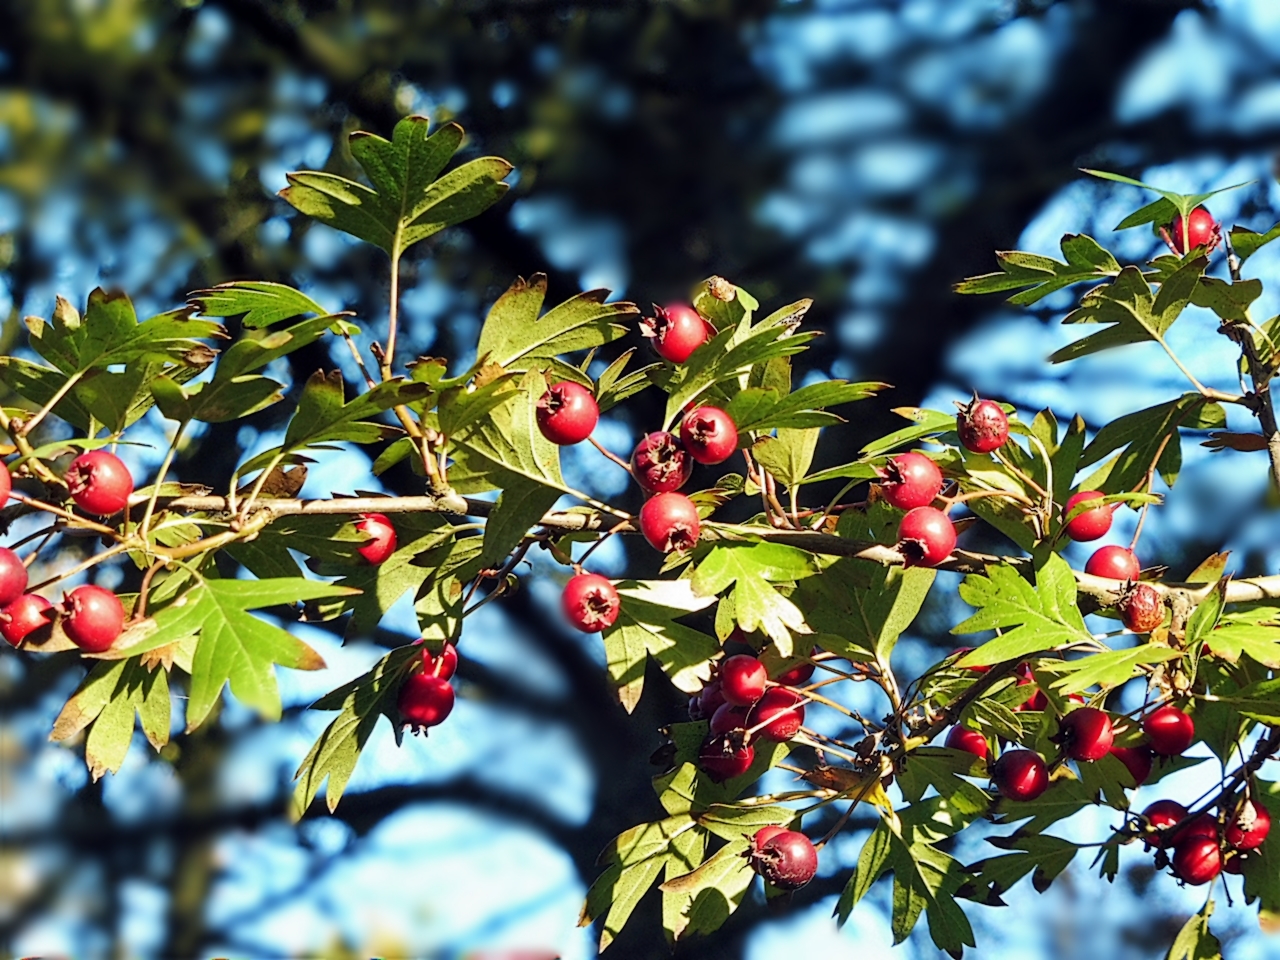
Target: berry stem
[145,526]
[40,414]
[610,454]
[93,561]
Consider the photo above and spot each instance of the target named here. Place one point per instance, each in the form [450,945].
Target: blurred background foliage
[867,153]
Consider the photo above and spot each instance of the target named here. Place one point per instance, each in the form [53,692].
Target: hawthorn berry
[970,741]
[1233,863]
[910,480]
[443,665]
[709,434]
[723,756]
[1038,700]
[13,576]
[6,484]
[729,716]
[787,859]
[567,413]
[983,426]
[1197,860]
[1089,524]
[99,482]
[1162,816]
[711,698]
[676,330]
[660,463]
[1202,826]
[382,542]
[1020,775]
[765,834]
[669,521]
[590,602]
[1249,827]
[742,679]
[1086,733]
[94,618]
[1169,730]
[1137,761]
[779,714]
[24,616]
[1114,563]
[926,537]
[960,652]
[1141,608]
[1202,231]
[798,674]
[425,700]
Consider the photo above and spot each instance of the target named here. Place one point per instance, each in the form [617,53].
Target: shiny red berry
[1233,863]
[1170,730]
[669,521]
[443,665]
[1141,608]
[1202,231]
[425,700]
[1162,816]
[709,434]
[94,618]
[742,679]
[798,674]
[99,482]
[926,537]
[590,602]
[1203,826]
[1114,563]
[1020,775]
[729,716]
[1086,733]
[779,714]
[6,484]
[567,413]
[910,480]
[1249,827]
[765,834]
[787,859]
[1090,524]
[1197,860]
[970,741]
[983,426]
[24,616]
[13,576]
[677,331]
[660,463]
[724,756]
[382,537]
[1137,761]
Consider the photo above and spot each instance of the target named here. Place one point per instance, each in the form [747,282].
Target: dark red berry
[960,652]
[709,434]
[765,834]
[1197,860]
[1086,733]
[1137,761]
[1233,863]
[6,484]
[669,521]
[1249,827]
[1089,524]
[1169,730]
[983,426]
[910,480]
[99,482]
[1202,231]
[13,576]
[660,463]
[778,714]
[94,618]
[1202,826]
[425,700]
[382,534]
[567,413]
[1114,563]
[797,675]
[724,756]
[788,860]
[1162,816]
[1141,608]
[24,616]
[590,602]
[925,537]
[677,331]
[1020,775]
[742,679]
[444,665]
[711,698]
[970,741]
[1038,700]
[729,716]
[695,709]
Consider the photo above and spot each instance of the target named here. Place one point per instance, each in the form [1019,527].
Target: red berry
[99,482]
[1169,730]
[926,537]
[94,618]
[1087,733]
[960,652]
[724,757]
[669,521]
[1202,231]
[1142,608]
[795,676]
[788,860]
[778,714]
[567,413]
[6,484]
[1114,563]
[729,716]
[443,666]
[742,679]
[1233,863]
[1197,860]
[24,616]
[1249,828]
[711,698]
[983,426]
[970,741]
[765,834]
[382,534]
[13,576]
[1090,524]
[660,463]
[590,602]
[1137,761]
[677,331]
[1162,816]
[1020,775]
[1038,700]
[709,434]
[910,480]
[1202,826]
[425,700]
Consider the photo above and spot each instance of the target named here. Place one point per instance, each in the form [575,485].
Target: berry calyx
[1197,860]
[660,463]
[983,426]
[669,521]
[1020,775]
[778,714]
[1162,816]
[1137,761]
[787,859]
[424,701]
[724,756]
[94,618]
[567,413]
[382,542]
[1114,563]
[1169,730]
[590,602]
[1249,827]
[13,576]
[1086,733]
[24,616]
[1201,231]
[676,330]
[99,482]
[742,679]
[910,480]
[765,834]
[1089,524]
[709,434]
[925,537]
[970,741]
[1141,608]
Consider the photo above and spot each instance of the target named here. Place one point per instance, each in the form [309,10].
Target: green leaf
[1042,617]
[1141,436]
[760,409]
[752,570]
[1230,301]
[925,878]
[1046,856]
[258,303]
[1262,868]
[106,702]
[941,769]
[873,862]
[928,423]
[1194,941]
[1106,670]
[323,416]
[1258,641]
[788,455]
[1039,276]
[1246,242]
[707,896]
